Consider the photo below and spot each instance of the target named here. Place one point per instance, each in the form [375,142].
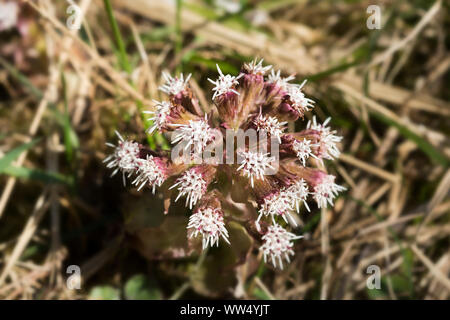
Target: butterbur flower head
[253,165]
[324,188]
[247,172]
[279,203]
[299,102]
[225,84]
[256,67]
[175,86]
[327,141]
[193,184]
[180,94]
[160,115]
[284,201]
[303,149]
[317,141]
[253,81]
[278,245]
[196,133]
[276,96]
[209,223]
[299,192]
[280,83]
[152,171]
[125,157]
[270,125]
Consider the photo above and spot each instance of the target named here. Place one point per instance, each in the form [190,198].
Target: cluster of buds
[278,185]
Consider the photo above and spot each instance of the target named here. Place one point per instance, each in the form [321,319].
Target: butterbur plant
[278,175]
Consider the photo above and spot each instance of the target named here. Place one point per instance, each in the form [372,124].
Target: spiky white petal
[209,223]
[328,139]
[192,185]
[276,78]
[278,245]
[256,67]
[160,115]
[298,99]
[270,125]
[326,190]
[224,84]
[125,157]
[298,192]
[197,133]
[255,164]
[174,85]
[149,172]
[303,149]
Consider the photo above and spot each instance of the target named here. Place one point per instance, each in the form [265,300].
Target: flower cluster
[249,100]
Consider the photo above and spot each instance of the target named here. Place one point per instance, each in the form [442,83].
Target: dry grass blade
[427,18]
[39,210]
[432,267]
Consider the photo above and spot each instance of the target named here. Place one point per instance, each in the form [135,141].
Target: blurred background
[381,73]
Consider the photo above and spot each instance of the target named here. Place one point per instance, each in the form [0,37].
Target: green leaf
[70,136]
[104,293]
[203,11]
[193,57]
[270,5]
[401,285]
[324,74]
[12,155]
[140,287]
[375,294]
[37,175]
[258,293]
[121,52]
[33,250]
[407,267]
